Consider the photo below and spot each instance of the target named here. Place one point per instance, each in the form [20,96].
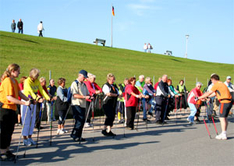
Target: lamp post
[187,36]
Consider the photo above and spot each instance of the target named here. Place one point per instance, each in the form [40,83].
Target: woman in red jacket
[132,96]
[192,101]
[94,90]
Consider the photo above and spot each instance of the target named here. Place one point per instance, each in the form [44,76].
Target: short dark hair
[215,76]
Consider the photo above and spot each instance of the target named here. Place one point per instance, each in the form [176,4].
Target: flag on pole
[113,11]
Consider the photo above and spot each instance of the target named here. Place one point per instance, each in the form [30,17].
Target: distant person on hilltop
[145,47]
[20,26]
[13,26]
[40,28]
[149,47]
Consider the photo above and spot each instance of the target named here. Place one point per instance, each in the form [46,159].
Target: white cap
[229,77]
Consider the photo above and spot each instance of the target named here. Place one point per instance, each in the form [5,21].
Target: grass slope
[66,58]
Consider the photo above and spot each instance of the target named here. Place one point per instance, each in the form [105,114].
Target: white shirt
[40,27]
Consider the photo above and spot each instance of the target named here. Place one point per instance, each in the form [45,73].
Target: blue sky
[163,23]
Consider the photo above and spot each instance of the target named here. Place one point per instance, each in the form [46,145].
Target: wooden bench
[102,41]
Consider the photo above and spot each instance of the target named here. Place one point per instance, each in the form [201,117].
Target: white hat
[229,77]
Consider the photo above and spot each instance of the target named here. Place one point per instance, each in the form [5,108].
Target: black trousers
[109,111]
[79,116]
[160,106]
[40,34]
[8,118]
[131,112]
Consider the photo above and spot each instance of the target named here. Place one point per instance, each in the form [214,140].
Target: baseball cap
[84,72]
[229,77]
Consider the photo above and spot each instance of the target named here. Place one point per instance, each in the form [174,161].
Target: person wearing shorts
[222,93]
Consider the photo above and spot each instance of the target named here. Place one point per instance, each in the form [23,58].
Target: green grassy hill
[65,59]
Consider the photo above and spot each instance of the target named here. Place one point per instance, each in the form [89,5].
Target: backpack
[69,93]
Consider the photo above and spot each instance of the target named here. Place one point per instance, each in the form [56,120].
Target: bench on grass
[102,41]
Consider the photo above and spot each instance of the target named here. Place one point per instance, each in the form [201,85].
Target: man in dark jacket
[162,94]
[20,26]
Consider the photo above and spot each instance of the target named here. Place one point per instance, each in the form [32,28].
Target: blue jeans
[79,116]
[193,112]
[20,31]
[152,102]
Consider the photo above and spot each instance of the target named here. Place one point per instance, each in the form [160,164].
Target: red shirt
[45,89]
[194,93]
[92,87]
[156,85]
[131,101]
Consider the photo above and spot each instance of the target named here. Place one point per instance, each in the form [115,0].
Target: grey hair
[199,83]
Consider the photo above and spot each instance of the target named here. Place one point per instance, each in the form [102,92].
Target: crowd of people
[20,26]
[31,96]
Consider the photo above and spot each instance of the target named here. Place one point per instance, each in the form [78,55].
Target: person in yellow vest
[182,103]
[9,93]
[31,87]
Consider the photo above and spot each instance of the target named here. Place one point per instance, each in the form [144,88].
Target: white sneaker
[190,122]
[26,142]
[87,125]
[31,141]
[65,131]
[60,131]
[221,137]
[188,119]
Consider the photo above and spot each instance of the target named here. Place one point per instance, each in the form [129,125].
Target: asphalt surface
[175,143]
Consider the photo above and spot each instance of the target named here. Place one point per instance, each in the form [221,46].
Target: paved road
[175,143]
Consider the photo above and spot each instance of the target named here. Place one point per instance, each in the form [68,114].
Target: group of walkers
[126,99]
[20,27]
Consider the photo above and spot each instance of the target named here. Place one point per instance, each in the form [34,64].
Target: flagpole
[111,28]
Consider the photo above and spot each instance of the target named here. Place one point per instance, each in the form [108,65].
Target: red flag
[113,11]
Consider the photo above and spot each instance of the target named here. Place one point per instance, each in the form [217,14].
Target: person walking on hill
[109,104]
[145,47]
[13,26]
[20,26]
[9,92]
[40,28]
[222,93]
[80,94]
[149,47]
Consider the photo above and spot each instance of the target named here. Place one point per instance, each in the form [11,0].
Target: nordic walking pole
[51,122]
[175,109]
[165,112]
[28,107]
[124,119]
[137,113]
[40,118]
[206,127]
[214,126]
[93,106]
